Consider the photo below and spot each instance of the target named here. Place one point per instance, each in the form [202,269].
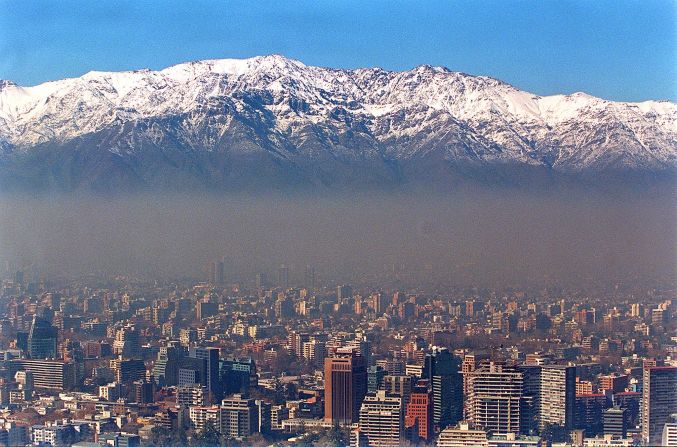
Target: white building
[381,420]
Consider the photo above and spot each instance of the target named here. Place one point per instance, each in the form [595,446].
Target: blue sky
[622,50]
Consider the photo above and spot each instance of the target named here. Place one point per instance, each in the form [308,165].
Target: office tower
[375,375]
[588,413]
[192,370]
[206,309]
[166,368]
[399,386]
[381,420]
[49,374]
[615,422]
[309,278]
[284,307]
[441,367]
[211,356]
[261,281]
[345,385]
[463,436]
[283,277]
[343,293]
[220,273]
[531,391]
[363,346]
[127,371]
[315,351]
[380,302]
[42,339]
[239,417]
[659,400]
[238,375]
[557,398]
[420,411]
[144,392]
[495,398]
[127,343]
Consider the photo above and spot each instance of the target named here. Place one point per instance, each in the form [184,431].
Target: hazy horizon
[485,236]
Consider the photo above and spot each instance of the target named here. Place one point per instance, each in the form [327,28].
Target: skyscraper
[345,385]
[127,343]
[42,339]
[283,277]
[382,420]
[309,282]
[495,398]
[557,398]
[420,411]
[211,355]
[441,367]
[659,401]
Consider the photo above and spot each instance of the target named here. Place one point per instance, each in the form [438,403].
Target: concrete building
[345,385]
[659,400]
[381,420]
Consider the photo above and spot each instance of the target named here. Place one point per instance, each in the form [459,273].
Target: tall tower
[441,367]
[557,399]
[494,401]
[659,400]
[42,339]
[283,277]
[345,385]
[382,420]
[310,278]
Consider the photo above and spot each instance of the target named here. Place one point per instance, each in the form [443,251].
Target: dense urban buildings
[306,360]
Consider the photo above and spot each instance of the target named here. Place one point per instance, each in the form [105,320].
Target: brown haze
[469,236]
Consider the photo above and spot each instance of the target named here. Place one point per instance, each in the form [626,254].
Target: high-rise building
[659,400]
[166,368]
[239,417]
[283,277]
[615,422]
[441,367]
[144,392]
[211,356]
[399,386]
[557,398]
[42,339]
[238,375]
[127,371]
[345,385]
[50,374]
[375,375]
[495,398]
[381,420]
[127,343]
[309,282]
[420,411]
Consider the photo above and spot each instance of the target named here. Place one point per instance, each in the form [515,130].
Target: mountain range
[271,121]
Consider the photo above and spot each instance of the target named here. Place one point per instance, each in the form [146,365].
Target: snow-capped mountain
[222,121]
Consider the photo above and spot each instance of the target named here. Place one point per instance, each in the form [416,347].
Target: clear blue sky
[623,50]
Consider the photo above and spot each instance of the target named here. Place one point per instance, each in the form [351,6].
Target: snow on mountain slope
[304,114]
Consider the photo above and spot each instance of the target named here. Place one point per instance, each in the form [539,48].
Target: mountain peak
[277,107]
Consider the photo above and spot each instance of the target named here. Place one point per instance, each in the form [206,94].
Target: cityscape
[321,223]
[286,358]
